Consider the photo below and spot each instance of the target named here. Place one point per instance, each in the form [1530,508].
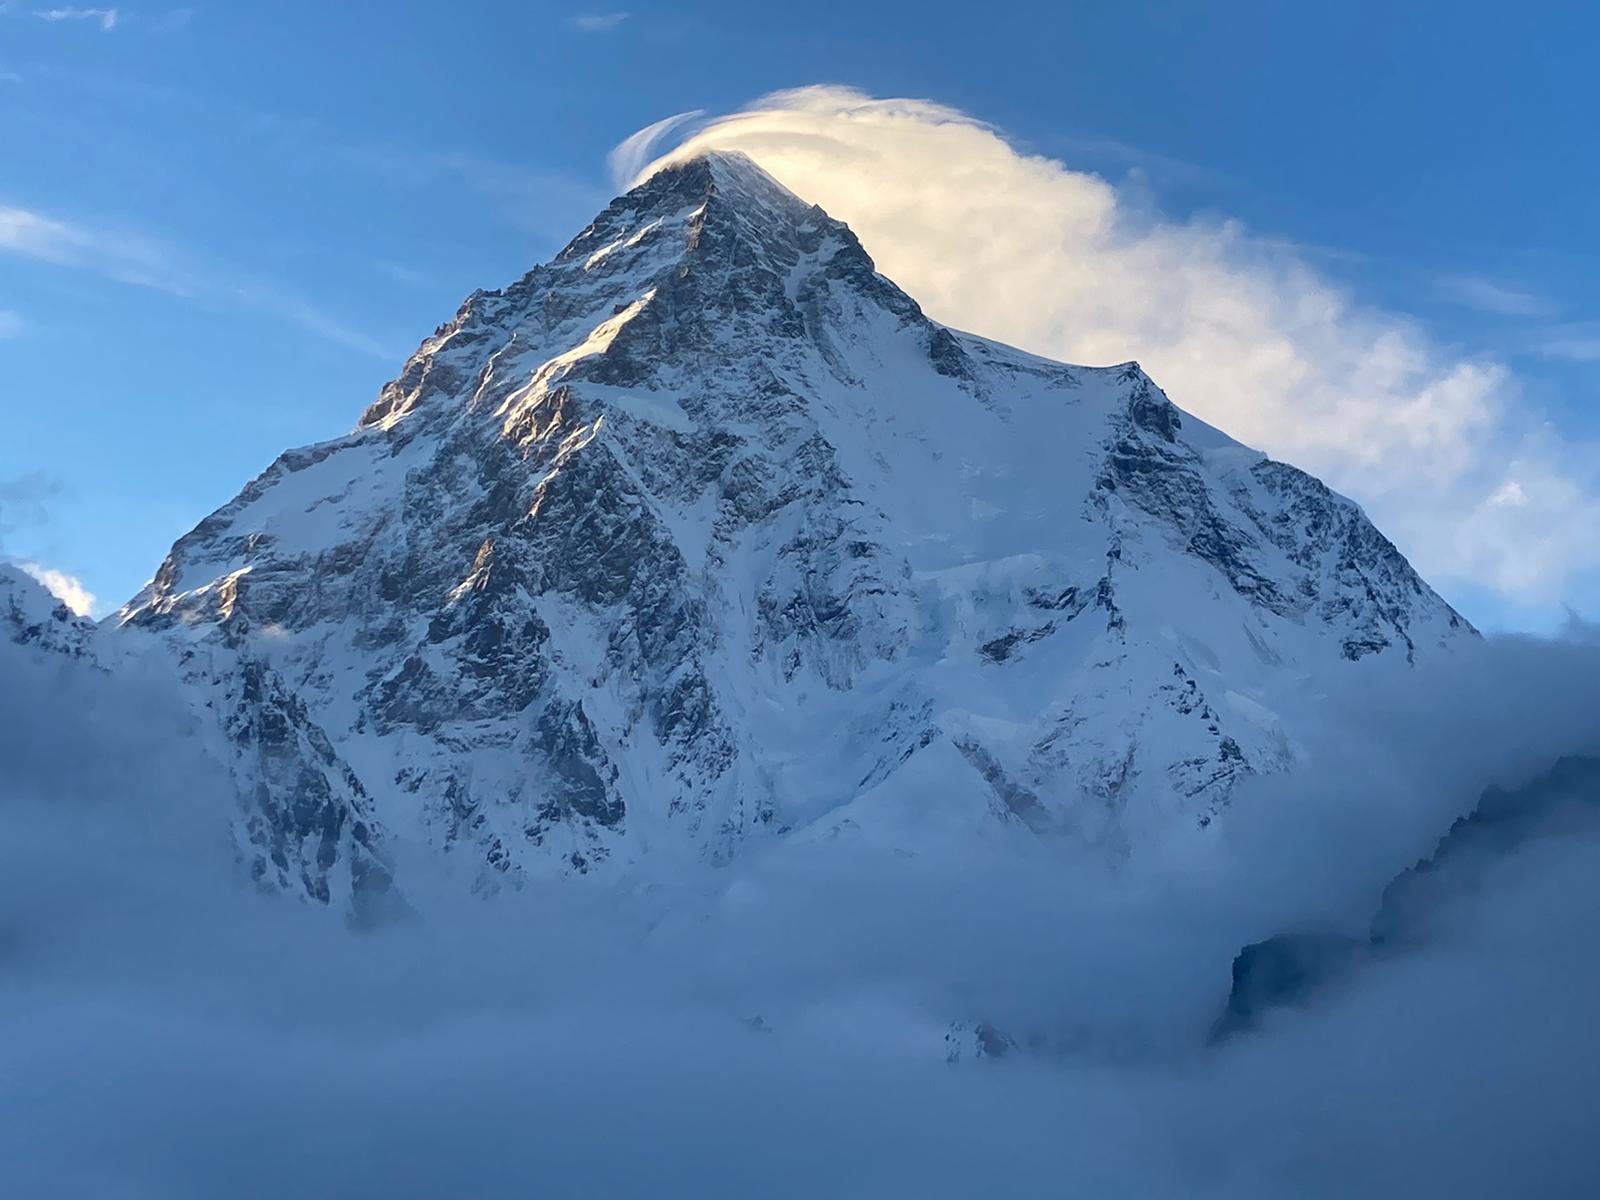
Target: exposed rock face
[964,1042]
[307,820]
[303,823]
[31,617]
[704,532]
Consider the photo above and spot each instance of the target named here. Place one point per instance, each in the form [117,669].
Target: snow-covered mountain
[304,823]
[31,617]
[703,533]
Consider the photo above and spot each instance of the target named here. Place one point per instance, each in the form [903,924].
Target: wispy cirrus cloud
[106,18]
[597,22]
[10,324]
[289,305]
[631,155]
[1490,296]
[1577,342]
[141,260]
[123,255]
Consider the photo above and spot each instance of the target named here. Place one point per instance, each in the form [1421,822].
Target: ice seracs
[703,532]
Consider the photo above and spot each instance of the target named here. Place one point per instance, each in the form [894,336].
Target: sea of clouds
[169,1033]
[778,1027]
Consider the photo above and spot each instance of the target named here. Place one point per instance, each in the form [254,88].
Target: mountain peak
[704,532]
[31,615]
[727,180]
[710,242]
[731,173]
[725,167]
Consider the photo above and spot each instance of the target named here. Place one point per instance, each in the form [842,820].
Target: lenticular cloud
[1240,330]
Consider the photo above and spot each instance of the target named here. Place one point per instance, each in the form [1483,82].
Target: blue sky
[223,227]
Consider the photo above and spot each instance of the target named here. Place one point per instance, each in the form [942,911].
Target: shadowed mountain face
[1293,969]
[304,824]
[703,532]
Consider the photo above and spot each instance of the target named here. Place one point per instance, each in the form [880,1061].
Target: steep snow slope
[703,532]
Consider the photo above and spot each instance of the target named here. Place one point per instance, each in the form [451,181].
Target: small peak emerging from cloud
[66,588]
[597,22]
[107,18]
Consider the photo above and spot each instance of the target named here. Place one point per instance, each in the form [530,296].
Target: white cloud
[1461,1062]
[121,255]
[28,233]
[1511,493]
[1577,342]
[1488,296]
[106,18]
[135,258]
[597,22]
[66,588]
[629,158]
[1241,329]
